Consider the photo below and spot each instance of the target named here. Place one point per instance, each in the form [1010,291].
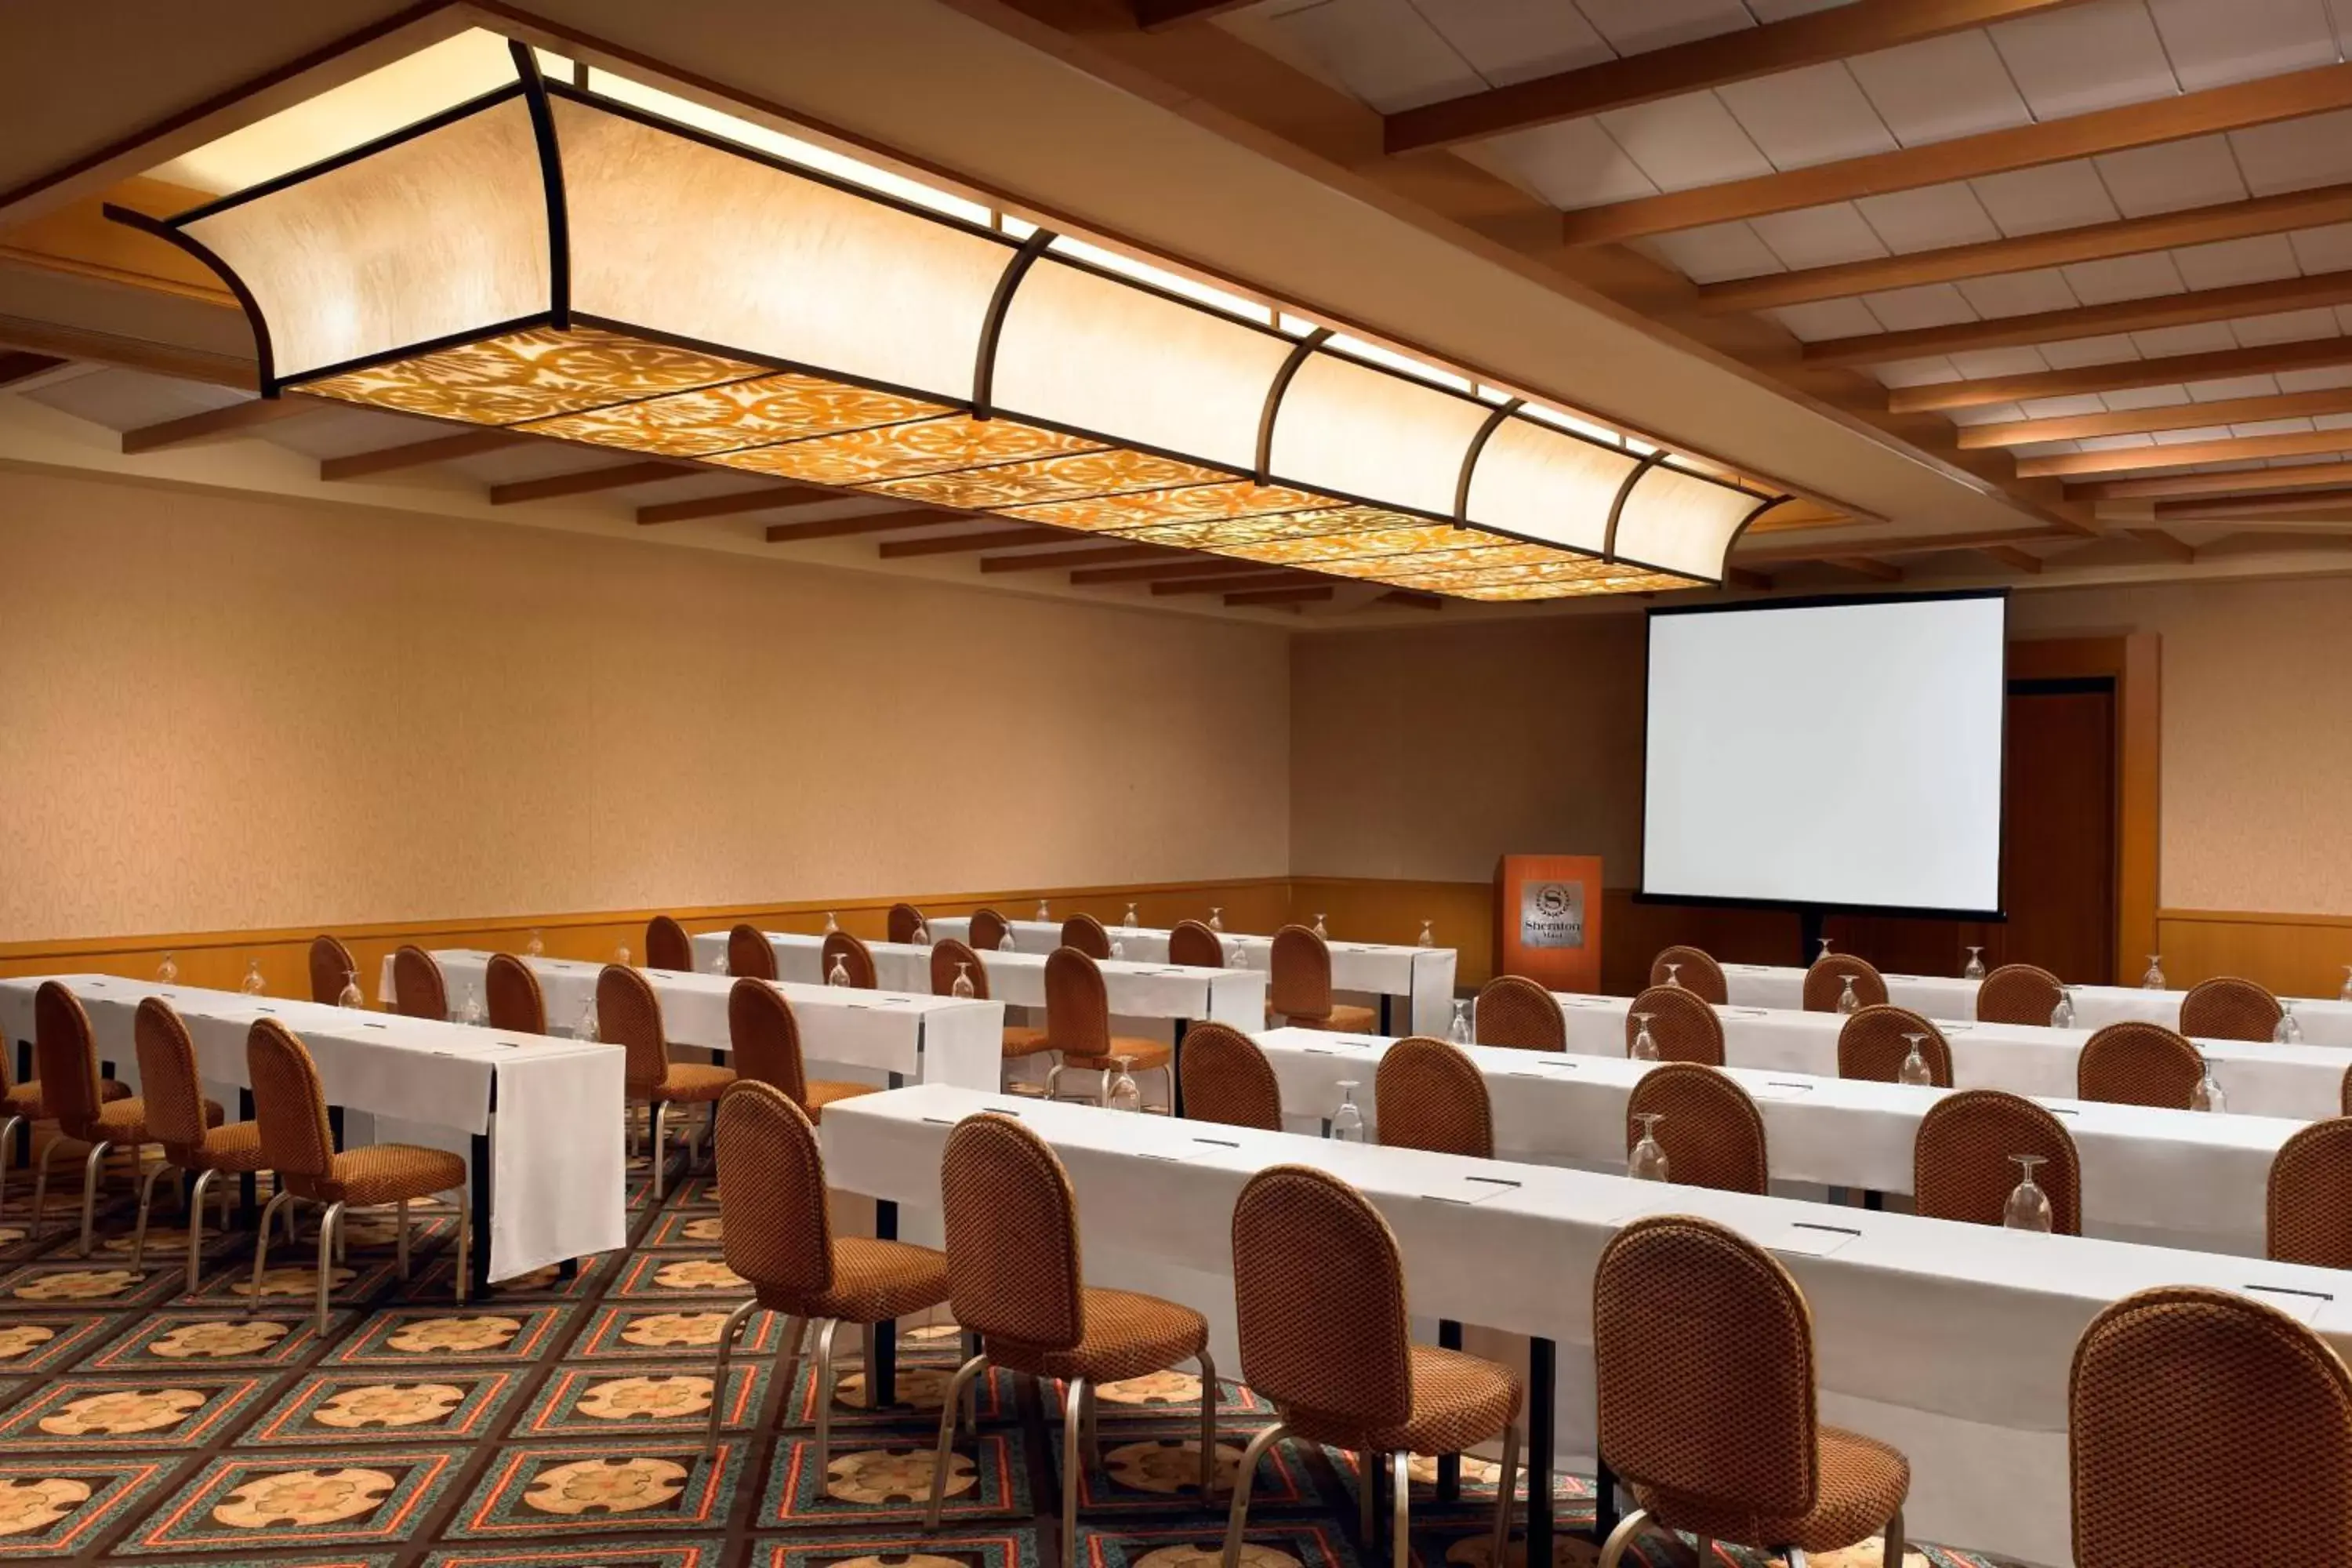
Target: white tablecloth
[556,1160]
[2325,1021]
[1136,988]
[917,1037]
[1951,1342]
[1424,976]
[2304,1083]
[2173,1178]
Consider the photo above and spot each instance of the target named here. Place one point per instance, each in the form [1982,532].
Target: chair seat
[25,1099]
[1021,1041]
[1344,1019]
[384,1174]
[1862,1482]
[1127,1336]
[825,1091]
[873,1282]
[1458,1401]
[1145,1055]
[693,1083]
[236,1147]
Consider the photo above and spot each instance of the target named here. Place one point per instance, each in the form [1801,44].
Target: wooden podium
[1547,919]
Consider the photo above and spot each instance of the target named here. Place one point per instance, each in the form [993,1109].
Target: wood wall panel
[2294,955]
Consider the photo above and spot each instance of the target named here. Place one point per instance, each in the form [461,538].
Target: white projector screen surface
[1840,754]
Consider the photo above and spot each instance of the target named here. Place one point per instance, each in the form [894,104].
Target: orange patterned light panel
[1229,534]
[1235,498]
[899,451]
[530,375]
[1111,473]
[736,414]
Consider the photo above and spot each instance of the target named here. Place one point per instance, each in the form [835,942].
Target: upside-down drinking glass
[839,973]
[1346,1121]
[167,972]
[1217,922]
[1042,913]
[2289,1031]
[536,945]
[350,995]
[469,1011]
[1675,976]
[1458,1032]
[253,984]
[2345,994]
[1974,968]
[1648,1162]
[962,987]
[1319,929]
[1847,1001]
[1004,943]
[1826,949]
[718,959]
[1117,948]
[2154,979]
[1915,1069]
[2029,1206]
[1644,1047]
[831,925]
[2062,1017]
[1428,937]
[922,937]
[621,955]
[585,1029]
[2207,1096]
[1130,917]
[1120,1092]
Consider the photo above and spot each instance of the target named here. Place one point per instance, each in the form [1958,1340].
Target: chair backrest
[514,998]
[417,989]
[1710,1130]
[988,929]
[2347,1097]
[1077,1008]
[1690,1322]
[854,956]
[1696,969]
[331,964]
[1226,1079]
[1515,1012]
[764,1039]
[288,1105]
[629,1015]
[66,1058]
[2177,1386]
[1319,1299]
[2229,1009]
[1300,982]
[2018,993]
[667,946]
[1871,1045]
[1430,1095]
[2311,1196]
[1685,1028]
[1825,983]
[749,955]
[771,1203]
[1195,946]
[1960,1164]
[2139,1063]
[1013,1270]
[901,923]
[168,1087]
[1087,934]
[945,956]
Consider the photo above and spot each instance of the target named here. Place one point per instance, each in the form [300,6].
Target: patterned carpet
[561,1423]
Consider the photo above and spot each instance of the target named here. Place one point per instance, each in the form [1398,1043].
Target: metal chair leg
[1613,1551]
[1053,1079]
[1892,1557]
[1794,1556]
[92,1169]
[1238,1517]
[197,1226]
[1073,1457]
[329,1224]
[1208,1424]
[9,1127]
[139,1232]
[1400,1505]
[825,1333]
[946,1450]
[41,1185]
[1504,1487]
[277,1200]
[659,1137]
[726,1332]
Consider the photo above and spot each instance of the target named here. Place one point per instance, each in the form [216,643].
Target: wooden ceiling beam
[1917,544]
[2171,417]
[588,482]
[2280,503]
[1056,560]
[2181,550]
[2118,375]
[1875,570]
[1412,599]
[1233,582]
[955,543]
[1305,594]
[2031,252]
[21,364]
[224,421]
[1741,578]
[1153,15]
[2185,454]
[2010,555]
[2264,101]
[1696,66]
[126,353]
[2245,482]
[851,527]
[737,502]
[1188,566]
[439,449]
[2274,297]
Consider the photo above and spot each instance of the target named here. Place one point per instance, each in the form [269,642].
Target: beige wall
[229,712]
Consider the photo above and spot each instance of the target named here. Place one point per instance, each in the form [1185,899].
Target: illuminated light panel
[1565,571]
[1518,593]
[737,413]
[1321,549]
[1104,473]
[1464,558]
[532,374]
[1224,534]
[895,451]
[1236,498]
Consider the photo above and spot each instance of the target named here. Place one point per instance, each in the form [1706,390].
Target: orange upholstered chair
[1874,1044]
[950,958]
[2018,993]
[1703,1349]
[71,1092]
[2311,1196]
[1327,1336]
[516,1003]
[187,1125]
[1300,985]
[2139,1063]
[291,1109]
[2176,1387]
[667,946]
[902,924]
[751,955]
[1709,1128]
[1682,1025]
[1016,1279]
[1960,1164]
[21,1104]
[779,1237]
[629,1015]
[1825,983]
[1694,969]
[1087,935]
[1429,1094]
[1077,1024]
[989,929]
[1195,946]
[1516,1013]
[418,990]
[1228,1079]
[332,967]
[856,960]
[765,1040]
[2230,1009]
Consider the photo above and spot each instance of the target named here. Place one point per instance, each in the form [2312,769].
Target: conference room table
[541,1192]
[1951,1342]
[2325,1021]
[1423,976]
[2170,1178]
[2302,1083]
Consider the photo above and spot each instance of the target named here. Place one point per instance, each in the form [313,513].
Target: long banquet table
[1951,1342]
[2325,1021]
[2173,1178]
[1423,976]
[542,1192]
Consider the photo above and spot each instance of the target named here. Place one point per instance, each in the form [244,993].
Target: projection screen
[1842,754]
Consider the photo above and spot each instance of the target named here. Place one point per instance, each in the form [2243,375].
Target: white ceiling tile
[1916,372]
[2270,427]
[2116,442]
[1822,318]
[1930,305]
[2197,338]
[1986,414]
[1817,115]
[2131,398]
[1820,236]
[2191,436]
[1633,25]
[2332,422]
[1938,89]
[1381,50]
[2171,175]
[2081,57]
[1978,363]
[2020,293]
[2259,259]
[1571,165]
[2056,195]
[1715,253]
[1684,141]
[2327,249]
[2284,327]
[1513,43]
[2222,388]
[2344,318]
[2109,349]
[2063,407]
[2116,278]
[2326,379]
[2218,41]
[2295,155]
[1928,218]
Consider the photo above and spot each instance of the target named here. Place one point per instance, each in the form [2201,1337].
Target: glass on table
[922,937]
[1644,1047]
[2154,979]
[1974,968]
[1915,1070]
[1847,1001]
[469,1011]
[621,955]
[1675,976]
[1117,948]
[1346,1121]
[1235,955]
[1217,922]
[1042,913]
[1458,1032]
[585,1029]
[350,995]
[536,945]
[168,972]
[2289,1031]
[1120,1092]
[719,964]
[2207,1096]
[1648,1162]
[2062,1017]
[2029,1206]
[1004,943]
[1826,949]
[1320,930]
[1428,937]
[839,973]
[962,990]
[831,925]
[2345,994]
[253,984]
[1130,922]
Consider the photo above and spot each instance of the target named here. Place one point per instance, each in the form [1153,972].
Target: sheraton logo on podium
[1551,914]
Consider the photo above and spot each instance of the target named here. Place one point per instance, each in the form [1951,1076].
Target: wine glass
[1915,1069]
[1117,948]
[2207,1096]
[831,925]
[1042,913]
[253,984]
[1458,1032]
[962,990]
[2289,1031]
[1130,917]
[168,972]
[922,937]
[2345,994]
[839,973]
[1236,955]
[585,1029]
[1644,1047]
[536,945]
[1346,1121]
[1826,949]
[1975,969]
[1428,937]
[2029,1206]
[469,1011]
[1847,1001]
[2154,979]
[1319,929]
[1004,943]
[1675,976]
[1648,1162]
[621,955]
[719,964]
[350,997]
[1217,922]
[2062,1017]
[1119,1093]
